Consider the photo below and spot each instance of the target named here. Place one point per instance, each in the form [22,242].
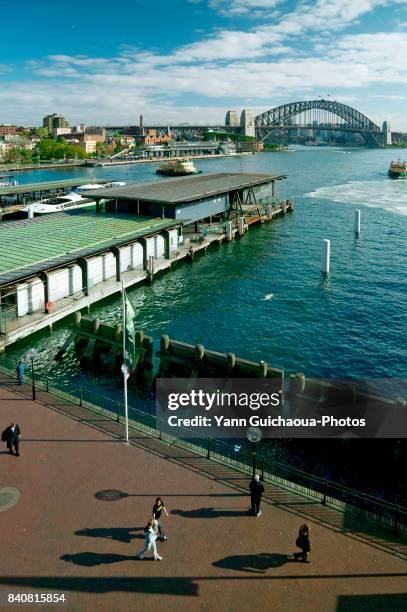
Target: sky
[105,62]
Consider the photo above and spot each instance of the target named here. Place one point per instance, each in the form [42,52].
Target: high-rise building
[51,122]
[247,123]
[232,118]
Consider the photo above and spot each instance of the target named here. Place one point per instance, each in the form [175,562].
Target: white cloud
[243,7]
[230,65]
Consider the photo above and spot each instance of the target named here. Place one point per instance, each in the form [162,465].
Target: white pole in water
[326,256]
[126,412]
[357,221]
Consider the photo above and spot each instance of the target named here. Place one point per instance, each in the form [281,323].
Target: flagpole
[126,410]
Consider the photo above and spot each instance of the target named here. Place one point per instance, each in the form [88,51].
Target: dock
[58,264]
[32,190]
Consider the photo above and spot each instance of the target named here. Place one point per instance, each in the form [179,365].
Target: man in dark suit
[11,435]
[256,490]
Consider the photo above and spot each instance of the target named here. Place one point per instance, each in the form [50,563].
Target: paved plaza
[82,498]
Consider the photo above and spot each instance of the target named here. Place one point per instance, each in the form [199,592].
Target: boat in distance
[398,169]
[178,167]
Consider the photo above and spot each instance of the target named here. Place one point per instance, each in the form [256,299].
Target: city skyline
[191,60]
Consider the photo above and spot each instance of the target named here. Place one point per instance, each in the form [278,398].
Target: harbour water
[263,296]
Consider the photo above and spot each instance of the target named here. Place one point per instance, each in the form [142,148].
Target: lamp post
[32,353]
[254,435]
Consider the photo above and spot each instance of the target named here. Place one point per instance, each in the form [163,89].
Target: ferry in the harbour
[398,169]
[178,167]
[78,198]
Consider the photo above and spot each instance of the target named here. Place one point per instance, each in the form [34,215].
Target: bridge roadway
[64,536]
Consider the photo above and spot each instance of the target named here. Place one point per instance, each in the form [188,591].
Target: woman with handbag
[303,543]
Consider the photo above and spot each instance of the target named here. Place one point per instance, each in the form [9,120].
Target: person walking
[303,543]
[20,370]
[150,536]
[256,490]
[158,507]
[11,435]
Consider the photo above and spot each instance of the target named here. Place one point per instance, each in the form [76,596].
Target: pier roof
[39,244]
[176,191]
[48,186]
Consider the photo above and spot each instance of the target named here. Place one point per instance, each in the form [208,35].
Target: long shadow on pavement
[120,534]
[208,513]
[253,563]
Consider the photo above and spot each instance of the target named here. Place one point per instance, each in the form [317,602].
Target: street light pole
[32,378]
[254,435]
[32,353]
[254,458]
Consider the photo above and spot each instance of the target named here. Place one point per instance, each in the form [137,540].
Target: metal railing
[281,474]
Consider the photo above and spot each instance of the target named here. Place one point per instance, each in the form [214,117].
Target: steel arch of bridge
[280,116]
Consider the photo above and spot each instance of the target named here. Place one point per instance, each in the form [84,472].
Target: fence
[281,474]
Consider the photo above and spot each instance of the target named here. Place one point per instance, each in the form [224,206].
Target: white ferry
[178,167]
[69,201]
[78,198]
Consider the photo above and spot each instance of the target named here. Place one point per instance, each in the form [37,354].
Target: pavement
[82,498]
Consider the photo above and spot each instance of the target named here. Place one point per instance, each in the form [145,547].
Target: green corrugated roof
[31,246]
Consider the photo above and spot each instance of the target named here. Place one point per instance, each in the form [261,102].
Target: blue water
[354,324]
[351,325]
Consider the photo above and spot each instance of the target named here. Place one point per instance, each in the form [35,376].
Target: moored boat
[70,201]
[178,167]
[398,169]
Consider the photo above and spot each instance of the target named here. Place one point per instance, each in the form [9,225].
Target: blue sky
[105,61]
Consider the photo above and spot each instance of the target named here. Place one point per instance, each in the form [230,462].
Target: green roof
[31,246]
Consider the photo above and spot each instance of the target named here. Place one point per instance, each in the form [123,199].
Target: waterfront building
[152,137]
[61,131]
[192,198]
[6,130]
[250,146]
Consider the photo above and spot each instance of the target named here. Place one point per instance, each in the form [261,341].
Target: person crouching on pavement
[303,543]
[150,536]
[256,490]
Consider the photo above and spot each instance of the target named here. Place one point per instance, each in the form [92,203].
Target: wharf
[21,327]
[58,264]
[32,189]
[78,506]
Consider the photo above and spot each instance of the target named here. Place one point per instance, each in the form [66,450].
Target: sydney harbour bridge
[308,118]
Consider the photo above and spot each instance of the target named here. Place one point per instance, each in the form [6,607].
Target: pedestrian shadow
[253,563]
[90,559]
[209,513]
[120,534]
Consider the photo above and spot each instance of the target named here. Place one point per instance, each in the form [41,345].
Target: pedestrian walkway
[83,498]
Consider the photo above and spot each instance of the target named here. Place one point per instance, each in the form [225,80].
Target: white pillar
[229,230]
[357,221]
[30,209]
[326,256]
[241,225]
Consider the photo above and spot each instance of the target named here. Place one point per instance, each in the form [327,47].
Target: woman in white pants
[150,534]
